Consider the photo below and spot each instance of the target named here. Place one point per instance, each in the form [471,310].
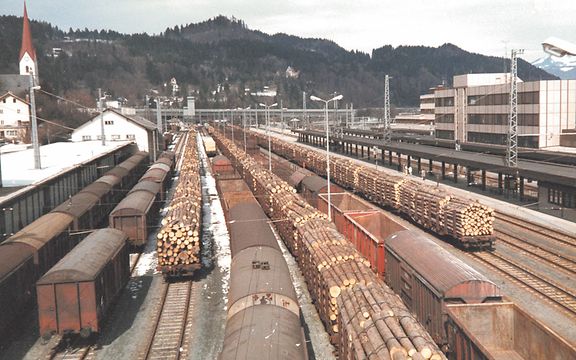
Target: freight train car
[74,295]
[263,313]
[428,278]
[178,242]
[28,254]
[467,223]
[25,256]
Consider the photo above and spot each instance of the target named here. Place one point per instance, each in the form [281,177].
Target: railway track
[548,289]
[168,340]
[539,253]
[554,235]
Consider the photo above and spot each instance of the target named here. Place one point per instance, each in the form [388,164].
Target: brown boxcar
[17,276]
[160,175]
[150,186]
[76,293]
[500,332]
[248,226]
[84,207]
[26,256]
[428,278]
[135,215]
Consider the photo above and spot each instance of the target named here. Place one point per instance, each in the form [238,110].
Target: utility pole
[102,134]
[304,119]
[35,144]
[387,120]
[512,145]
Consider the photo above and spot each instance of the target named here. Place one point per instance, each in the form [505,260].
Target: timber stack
[333,269]
[178,241]
[468,222]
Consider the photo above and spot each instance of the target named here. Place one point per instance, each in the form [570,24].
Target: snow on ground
[18,166]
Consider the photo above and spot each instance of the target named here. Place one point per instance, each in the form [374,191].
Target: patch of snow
[18,166]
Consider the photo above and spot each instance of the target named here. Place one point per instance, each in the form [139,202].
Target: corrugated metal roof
[135,203]
[111,180]
[119,172]
[78,204]
[150,186]
[440,268]
[160,166]
[11,256]
[157,175]
[87,259]
[42,230]
[98,188]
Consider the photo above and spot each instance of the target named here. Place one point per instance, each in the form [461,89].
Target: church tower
[28,62]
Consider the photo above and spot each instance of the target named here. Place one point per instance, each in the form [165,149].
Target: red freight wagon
[75,294]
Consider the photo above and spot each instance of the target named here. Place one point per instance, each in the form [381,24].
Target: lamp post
[335,98]
[267,107]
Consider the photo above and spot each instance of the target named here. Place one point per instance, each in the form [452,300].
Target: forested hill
[216,60]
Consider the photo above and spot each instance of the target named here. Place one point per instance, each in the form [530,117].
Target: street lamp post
[244,126]
[335,98]
[267,107]
[100,107]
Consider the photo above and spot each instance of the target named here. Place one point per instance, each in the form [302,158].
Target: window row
[445,134]
[114,137]
[562,198]
[502,119]
[532,97]
[501,139]
[444,101]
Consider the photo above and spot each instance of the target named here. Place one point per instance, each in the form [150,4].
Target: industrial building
[477,109]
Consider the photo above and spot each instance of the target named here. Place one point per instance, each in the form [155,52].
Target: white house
[119,127]
[14,118]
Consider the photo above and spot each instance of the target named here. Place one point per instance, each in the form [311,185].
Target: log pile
[376,325]
[334,271]
[465,220]
[178,241]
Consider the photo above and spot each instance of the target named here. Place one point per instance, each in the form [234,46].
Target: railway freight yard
[233,245]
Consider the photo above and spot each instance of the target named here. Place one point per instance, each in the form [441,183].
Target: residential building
[477,110]
[121,127]
[14,118]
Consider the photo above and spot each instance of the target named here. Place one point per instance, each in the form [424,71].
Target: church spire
[27,53]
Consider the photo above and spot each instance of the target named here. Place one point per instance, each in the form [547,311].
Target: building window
[1,111]
[14,100]
[445,134]
[445,118]
[130,136]
[444,101]
[99,137]
[17,111]
[86,137]
[561,198]
[115,137]
[109,122]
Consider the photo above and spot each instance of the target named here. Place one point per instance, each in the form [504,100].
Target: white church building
[120,127]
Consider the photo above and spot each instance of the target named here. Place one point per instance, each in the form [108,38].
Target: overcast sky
[484,26]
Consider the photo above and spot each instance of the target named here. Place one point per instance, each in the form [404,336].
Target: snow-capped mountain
[563,67]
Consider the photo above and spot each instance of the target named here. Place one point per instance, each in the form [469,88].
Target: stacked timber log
[178,241]
[336,273]
[440,211]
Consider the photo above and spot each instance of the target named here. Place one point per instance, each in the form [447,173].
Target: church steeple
[27,53]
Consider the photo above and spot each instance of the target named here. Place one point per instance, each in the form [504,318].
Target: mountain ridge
[217,59]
